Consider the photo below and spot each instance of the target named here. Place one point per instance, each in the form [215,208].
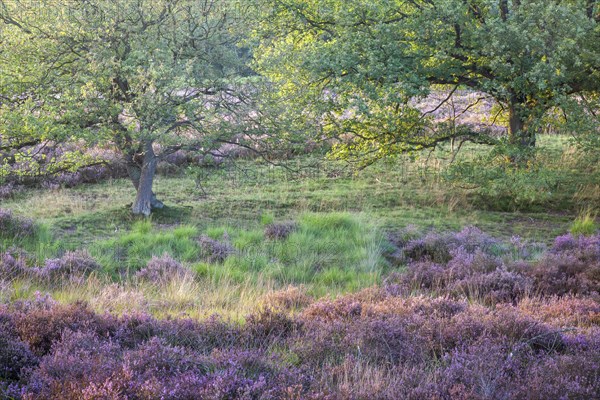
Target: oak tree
[150,77]
[360,65]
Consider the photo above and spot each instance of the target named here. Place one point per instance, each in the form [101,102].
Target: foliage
[161,269]
[280,231]
[472,264]
[376,342]
[584,224]
[143,77]
[358,71]
[72,265]
[214,250]
[13,226]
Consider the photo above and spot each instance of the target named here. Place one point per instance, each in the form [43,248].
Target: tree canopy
[363,63]
[148,76]
[151,77]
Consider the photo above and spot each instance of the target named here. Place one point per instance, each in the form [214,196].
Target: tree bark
[142,178]
[519,132]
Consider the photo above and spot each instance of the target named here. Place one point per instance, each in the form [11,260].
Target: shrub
[71,265]
[564,273]
[280,230]
[11,265]
[290,298]
[215,250]
[78,359]
[563,312]
[41,325]
[14,354]
[371,344]
[439,247]
[9,189]
[268,326]
[16,227]
[498,286]
[162,269]
[484,370]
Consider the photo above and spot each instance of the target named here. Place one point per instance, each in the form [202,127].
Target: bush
[11,265]
[162,269]
[15,227]
[215,250]
[372,344]
[72,264]
[15,355]
[43,323]
[78,359]
[290,298]
[280,230]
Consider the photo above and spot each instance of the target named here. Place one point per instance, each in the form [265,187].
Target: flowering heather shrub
[470,263]
[93,174]
[71,265]
[379,343]
[156,359]
[387,340]
[41,326]
[372,344]
[280,230]
[397,240]
[215,250]
[499,286]
[268,326]
[439,247]
[14,353]
[422,275]
[577,243]
[203,336]
[12,226]
[563,312]
[472,239]
[9,189]
[563,273]
[290,298]
[77,359]
[431,248]
[162,269]
[178,158]
[484,370]
[47,159]
[11,265]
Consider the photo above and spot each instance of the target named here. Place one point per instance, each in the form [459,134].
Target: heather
[377,343]
[471,263]
[299,200]
[15,226]
[452,315]
[264,286]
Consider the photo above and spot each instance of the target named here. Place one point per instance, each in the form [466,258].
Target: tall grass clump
[132,250]
[584,224]
[330,252]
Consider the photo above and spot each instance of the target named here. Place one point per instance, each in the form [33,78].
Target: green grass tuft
[584,224]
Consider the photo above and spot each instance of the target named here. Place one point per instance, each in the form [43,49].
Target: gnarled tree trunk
[142,178]
[519,132]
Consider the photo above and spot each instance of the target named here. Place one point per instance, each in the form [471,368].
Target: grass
[329,254]
[584,224]
[341,217]
[394,194]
